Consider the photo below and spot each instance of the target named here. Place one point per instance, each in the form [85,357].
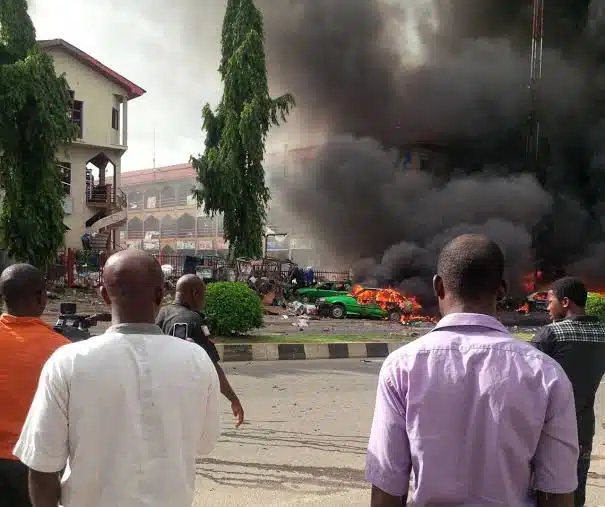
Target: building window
[65,176]
[115,119]
[76,114]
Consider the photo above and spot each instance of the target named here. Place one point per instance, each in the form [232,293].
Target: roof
[133,90]
[157,175]
[186,171]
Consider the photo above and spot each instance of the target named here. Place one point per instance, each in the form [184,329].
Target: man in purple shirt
[469,414]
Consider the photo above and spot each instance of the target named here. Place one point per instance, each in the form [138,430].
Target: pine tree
[230,172]
[34,124]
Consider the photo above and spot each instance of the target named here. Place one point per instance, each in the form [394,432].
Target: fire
[388,299]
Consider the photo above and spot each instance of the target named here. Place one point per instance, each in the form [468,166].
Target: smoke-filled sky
[376,75]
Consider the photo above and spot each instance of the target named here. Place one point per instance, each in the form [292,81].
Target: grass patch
[524,336]
[314,338]
[334,338]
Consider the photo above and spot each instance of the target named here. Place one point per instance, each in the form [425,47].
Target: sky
[137,47]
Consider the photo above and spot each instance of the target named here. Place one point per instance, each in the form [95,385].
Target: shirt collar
[9,319]
[470,319]
[135,329]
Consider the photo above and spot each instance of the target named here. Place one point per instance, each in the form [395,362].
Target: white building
[92,164]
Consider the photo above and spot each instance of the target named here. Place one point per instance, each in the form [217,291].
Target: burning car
[371,303]
[322,290]
[535,302]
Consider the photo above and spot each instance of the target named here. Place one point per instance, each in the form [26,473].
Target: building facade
[94,204]
[163,216]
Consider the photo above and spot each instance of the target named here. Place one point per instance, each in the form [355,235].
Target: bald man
[184,319]
[128,409]
[26,342]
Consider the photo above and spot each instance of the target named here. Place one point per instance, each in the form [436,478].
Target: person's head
[469,275]
[23,289]
[191,291]
[133,285]
[566,297]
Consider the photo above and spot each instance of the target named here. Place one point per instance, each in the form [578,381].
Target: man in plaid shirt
[577,342]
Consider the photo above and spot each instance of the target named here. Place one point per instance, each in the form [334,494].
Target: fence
[80,269]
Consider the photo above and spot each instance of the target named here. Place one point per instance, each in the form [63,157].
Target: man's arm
[388,463]
[544,340]
[550,500]
[44,489]
[555,462]
[43,444]
[229,393]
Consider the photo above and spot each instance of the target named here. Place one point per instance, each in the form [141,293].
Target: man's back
[25,345]
[578,345]
[464,408]
[141,405]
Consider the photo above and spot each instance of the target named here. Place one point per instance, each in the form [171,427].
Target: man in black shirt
[184,319]
[577,342]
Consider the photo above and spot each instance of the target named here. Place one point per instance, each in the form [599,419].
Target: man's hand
[238,412]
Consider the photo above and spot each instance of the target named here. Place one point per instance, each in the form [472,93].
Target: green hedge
[232,308]
[595,305]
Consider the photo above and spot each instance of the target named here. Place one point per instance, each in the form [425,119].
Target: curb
[301,351]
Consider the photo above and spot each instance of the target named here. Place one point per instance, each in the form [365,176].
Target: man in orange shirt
[26,342]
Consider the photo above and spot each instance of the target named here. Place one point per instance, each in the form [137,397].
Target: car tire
[338,312]
[395,316]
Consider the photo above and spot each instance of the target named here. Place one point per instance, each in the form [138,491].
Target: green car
[339,307]
[322,290]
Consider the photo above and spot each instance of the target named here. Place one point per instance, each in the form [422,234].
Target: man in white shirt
[126,411]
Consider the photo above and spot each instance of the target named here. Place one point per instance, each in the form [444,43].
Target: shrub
[595,305]
[232,307]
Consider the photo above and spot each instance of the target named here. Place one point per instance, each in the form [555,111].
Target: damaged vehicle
[322,290]
[347,305]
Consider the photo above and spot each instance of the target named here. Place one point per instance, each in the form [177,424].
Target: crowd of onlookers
[466,415]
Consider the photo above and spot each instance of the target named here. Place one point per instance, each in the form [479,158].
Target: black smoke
[378,77]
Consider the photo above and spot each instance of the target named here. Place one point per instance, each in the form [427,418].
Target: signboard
[206,245]
[221,244]
[301,244]
[150,235]
[185,245]
[152,244]
[277,242]
[108,221]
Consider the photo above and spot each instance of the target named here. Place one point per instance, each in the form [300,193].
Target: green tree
[230,172]
[34,124]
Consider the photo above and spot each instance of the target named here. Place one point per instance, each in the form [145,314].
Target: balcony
[103,197]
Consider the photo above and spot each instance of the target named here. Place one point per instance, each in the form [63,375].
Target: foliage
[34,124]
[230,171]
[232,307]
[595,305]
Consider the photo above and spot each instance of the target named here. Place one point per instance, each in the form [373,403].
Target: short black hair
[472,267]
[19,284]
[571,288]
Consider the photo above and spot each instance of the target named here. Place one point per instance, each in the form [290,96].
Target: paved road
[305,441]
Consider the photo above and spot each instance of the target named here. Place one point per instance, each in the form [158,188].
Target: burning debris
[397,306]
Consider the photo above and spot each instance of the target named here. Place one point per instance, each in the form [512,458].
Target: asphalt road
[304,443]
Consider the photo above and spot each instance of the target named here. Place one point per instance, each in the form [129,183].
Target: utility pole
[532,149]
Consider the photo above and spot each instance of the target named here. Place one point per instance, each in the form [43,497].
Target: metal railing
[103,194]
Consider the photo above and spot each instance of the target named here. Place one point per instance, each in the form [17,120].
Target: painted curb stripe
[300,351]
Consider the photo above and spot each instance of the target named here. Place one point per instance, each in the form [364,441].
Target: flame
[387,299]
[524,308]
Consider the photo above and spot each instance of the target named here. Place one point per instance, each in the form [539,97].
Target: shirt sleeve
[43,444]
[556,459]
[544,340]
[388,462]
[211,431]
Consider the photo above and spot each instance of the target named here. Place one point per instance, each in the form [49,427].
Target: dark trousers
[583,466]
[13,484]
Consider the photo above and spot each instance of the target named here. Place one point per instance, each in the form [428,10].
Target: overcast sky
[141,48]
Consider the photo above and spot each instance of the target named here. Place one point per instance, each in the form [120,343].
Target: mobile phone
[180,330]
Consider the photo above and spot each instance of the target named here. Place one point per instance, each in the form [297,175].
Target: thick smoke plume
[377,76]
[381,77]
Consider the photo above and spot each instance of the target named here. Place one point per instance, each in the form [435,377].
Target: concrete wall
[99,96]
